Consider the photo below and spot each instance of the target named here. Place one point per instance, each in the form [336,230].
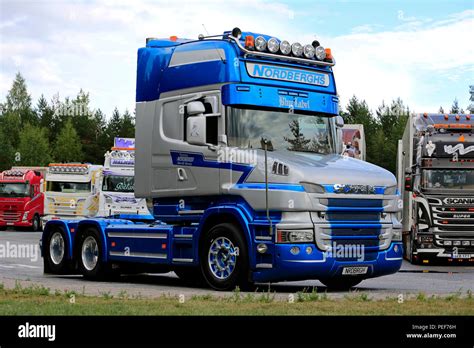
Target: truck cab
[436,164]
[116,195]
[238,144]
[72,191]
[21,198]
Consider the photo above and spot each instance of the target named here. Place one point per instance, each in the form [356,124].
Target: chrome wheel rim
[56,248]
[90,253]
[222,258]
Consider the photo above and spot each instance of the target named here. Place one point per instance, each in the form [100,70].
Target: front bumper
[16,224]
[318,265]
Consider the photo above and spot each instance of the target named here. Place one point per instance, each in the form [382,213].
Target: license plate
[354,270]
[461,256]
[10,223]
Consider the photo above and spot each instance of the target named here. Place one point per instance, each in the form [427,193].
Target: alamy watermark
[19,251]
[337,251]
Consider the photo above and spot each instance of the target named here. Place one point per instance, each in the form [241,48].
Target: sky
[421,51]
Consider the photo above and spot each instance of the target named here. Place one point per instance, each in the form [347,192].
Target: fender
[242,216]
[65,227]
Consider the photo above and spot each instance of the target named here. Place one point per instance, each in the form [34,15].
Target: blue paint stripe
[261,186]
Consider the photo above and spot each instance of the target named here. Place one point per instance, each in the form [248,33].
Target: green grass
[38,300]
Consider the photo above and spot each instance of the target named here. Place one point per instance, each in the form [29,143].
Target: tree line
[69,130]
[383,128]
[66,130]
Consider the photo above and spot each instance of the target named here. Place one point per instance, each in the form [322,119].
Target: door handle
[182,176]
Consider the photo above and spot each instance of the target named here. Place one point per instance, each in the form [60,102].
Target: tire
[89,254]
[36,224]
[190,275]
[223,266]
[340,283]
[55,246]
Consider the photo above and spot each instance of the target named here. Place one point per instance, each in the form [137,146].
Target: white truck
[72,191]
[116,194]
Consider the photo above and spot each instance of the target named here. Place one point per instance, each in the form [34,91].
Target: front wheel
[224,257]
[340,283]
[36,224]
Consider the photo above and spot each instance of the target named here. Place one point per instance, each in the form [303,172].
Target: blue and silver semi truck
[238,144]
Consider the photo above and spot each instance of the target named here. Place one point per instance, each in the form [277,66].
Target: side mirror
[196,130]
[409,183]
[339,122]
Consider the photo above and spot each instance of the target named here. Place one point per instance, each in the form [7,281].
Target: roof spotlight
[320,53]
[297,49]
[273,45]
[285,47]
[308,51]
[260,43]
[315,43]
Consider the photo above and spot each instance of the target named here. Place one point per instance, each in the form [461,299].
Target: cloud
[63,46]
[408,63]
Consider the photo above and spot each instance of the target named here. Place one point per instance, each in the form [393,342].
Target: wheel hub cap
[222,258]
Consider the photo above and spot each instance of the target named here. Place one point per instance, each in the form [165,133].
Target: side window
[172,120]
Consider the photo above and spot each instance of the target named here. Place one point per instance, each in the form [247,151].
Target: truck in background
[72,191]
[21,197]
[436,179]
[238,143]
[353,136]
[117,195]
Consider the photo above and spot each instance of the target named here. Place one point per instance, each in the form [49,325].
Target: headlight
[295,236]
[285,47]
[396,235]
[391,190]
[308,51]
[297,49]
[273,45]
[260,43]
[320,53]
[312,188]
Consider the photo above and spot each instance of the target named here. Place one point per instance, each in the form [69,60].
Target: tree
[68,145]
[299,143]
[392,121]
[46,119]
[7,152]
[34,147]
[18,101]
[455,107]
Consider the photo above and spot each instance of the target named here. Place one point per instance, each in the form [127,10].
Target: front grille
[10,216]
[451,218]
[353,222]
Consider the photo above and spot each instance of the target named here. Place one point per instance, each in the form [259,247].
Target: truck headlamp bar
[14,173]
[282,56]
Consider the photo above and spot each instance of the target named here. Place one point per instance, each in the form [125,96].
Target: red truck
[21,198]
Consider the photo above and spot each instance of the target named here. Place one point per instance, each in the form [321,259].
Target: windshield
[448,179]
[14,190]
[285,130]
[69,187]
[118,183]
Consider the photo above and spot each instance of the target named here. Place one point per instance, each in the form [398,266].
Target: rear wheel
[340,283]
[224,257]
[54,260]
[90,255]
